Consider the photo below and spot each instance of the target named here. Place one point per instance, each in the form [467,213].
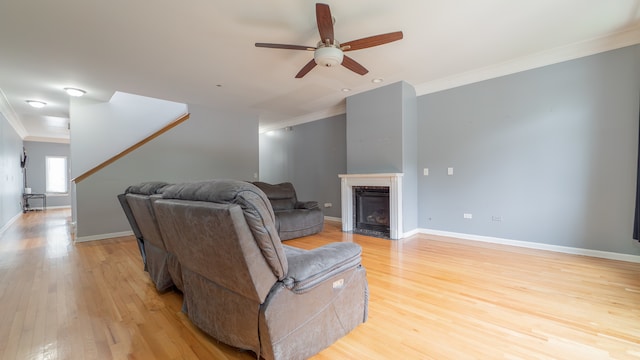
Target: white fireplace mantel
[392,180]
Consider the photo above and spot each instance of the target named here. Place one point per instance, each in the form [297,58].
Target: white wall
[212,143]
[10,173]
[100,130]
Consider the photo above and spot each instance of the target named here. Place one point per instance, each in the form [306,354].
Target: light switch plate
[449,171]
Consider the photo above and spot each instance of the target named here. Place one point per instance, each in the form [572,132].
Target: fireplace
[391,184]
[371,210]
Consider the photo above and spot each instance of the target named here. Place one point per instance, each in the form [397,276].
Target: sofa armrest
[306,205]
[310,268]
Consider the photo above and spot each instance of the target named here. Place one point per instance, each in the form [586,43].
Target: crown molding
[47,139]
[7,110]
[548,57]
[333,111]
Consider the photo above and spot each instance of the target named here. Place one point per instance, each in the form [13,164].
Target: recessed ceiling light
[36,103]
[74,91]
[377,80]
[346,89]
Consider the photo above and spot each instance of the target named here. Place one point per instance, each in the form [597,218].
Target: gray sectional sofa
[242,286]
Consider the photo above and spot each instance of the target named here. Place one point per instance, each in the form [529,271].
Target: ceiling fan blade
[285,46]
[325,22]
[310,65]
[371,41]
[353,65]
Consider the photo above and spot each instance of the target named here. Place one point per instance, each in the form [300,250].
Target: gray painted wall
[211,144]
[552,151]
[375,149]
[36,169]
[382,138]
[409,157]
[10,172]
[310,156]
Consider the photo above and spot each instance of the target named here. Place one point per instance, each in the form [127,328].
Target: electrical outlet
[449,171]
[338,284]
[328,205]
[467,216]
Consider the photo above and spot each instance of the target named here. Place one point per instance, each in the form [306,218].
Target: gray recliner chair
[162,266]
[244,287]
[294,218]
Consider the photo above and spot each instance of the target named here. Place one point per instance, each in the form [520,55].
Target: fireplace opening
[371,210]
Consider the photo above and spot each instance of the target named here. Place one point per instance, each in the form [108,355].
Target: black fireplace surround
[371,210]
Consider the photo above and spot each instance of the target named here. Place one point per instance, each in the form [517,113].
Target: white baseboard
[411,233]
[104,236]
[533,245]
[58,207]
[10,222]
[331,218]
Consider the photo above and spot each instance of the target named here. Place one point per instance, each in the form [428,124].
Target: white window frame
[48,189]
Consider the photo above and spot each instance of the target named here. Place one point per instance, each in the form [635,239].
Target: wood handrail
[122,154]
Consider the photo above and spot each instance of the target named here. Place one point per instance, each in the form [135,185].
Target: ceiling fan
[329,52]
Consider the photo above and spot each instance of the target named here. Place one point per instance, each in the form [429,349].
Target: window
[56,176]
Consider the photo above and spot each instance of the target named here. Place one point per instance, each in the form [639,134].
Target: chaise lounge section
[294,218]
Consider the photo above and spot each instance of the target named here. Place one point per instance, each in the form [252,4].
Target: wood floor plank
[430,298]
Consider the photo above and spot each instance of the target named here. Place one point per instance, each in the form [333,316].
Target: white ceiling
[202,51]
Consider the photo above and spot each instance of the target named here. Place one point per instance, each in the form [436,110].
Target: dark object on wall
[23,159]
[23,165]
[26,194]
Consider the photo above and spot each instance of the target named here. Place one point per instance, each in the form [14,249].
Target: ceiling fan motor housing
[328,56]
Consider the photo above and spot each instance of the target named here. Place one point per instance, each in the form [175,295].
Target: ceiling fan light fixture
[328,56]
[37,103]
[328,52]
[74,91]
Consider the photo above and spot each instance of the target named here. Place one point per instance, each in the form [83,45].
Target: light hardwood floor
[431,298]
